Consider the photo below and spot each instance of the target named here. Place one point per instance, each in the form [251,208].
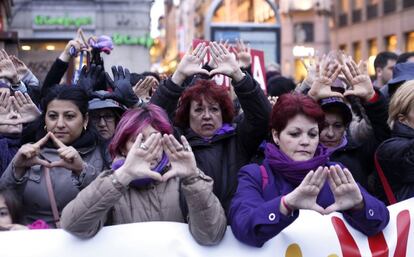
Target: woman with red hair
[205,114]
[296,174]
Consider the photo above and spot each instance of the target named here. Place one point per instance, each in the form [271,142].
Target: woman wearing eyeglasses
[105,115]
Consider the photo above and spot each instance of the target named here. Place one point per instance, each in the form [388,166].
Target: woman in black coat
[396,155]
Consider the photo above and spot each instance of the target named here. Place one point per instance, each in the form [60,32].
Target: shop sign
[46,21]
[129,40]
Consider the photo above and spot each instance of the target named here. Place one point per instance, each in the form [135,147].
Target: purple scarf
[137,183]
[226,128]
[343,143]
[294,171]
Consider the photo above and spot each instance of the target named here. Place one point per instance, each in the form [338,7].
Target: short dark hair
[72,93]
[279,85]
[382,59]
[404,57]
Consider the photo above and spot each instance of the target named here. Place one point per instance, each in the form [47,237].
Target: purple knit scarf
[294,171]
[137,183]
[226,128]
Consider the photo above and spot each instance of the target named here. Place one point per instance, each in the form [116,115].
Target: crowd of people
[137,147]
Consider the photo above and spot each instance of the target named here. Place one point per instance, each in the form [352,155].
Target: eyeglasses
[106,117]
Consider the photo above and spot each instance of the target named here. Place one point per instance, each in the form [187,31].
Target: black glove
[88,78]
[121,86]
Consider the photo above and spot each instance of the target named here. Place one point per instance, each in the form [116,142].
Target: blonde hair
[401,102]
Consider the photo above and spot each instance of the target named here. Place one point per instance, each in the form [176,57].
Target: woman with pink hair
[154,177]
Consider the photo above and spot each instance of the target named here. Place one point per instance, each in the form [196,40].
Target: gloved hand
[121,86]
[88,78]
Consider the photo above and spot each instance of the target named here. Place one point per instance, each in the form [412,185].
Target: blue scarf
[161,167]
[294,171]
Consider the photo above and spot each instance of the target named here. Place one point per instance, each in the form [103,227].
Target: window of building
[344,6]
[372,52]
[391,43]
[303,32]
[389,6]
[300,70]
[372,47]
[356,46]
[343,48]
[372,9]
[357,4]
[357,10]
[409,47]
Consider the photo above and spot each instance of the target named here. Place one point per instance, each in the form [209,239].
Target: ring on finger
[179,149]
[143,146]
[186,148]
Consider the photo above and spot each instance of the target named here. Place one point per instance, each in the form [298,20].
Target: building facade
[363,28]
[45,26]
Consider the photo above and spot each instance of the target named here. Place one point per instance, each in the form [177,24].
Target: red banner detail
[378,245]
[348,245]
[403,229]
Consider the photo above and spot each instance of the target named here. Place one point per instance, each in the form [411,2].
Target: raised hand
[190,64]
[345,190]
[304,196]
[25,106]
[310,69]
[5,105]
[76,46]
[243,54]
[143,86]
[21,68]
[121,85]
[326,73]
[7,69]
[70,158]
[88,78]
[137,164]
[183,163]
[212,63]
[28,155]
[226,62]
[357,76]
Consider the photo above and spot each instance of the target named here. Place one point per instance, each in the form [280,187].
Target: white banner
[310,235]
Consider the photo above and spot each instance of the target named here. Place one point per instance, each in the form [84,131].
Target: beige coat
[105,202]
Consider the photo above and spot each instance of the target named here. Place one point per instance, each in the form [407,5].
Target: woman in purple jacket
[300,176]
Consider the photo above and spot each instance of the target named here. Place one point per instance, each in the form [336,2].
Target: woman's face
[5,217]
[12,129]
[333,131]
[104,121]
[299,139]
[146,133]
[64,120]
[205,117]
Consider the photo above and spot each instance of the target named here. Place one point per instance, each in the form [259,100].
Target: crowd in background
[129,146]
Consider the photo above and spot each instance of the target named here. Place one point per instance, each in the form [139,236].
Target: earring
[84,127]
[45,128]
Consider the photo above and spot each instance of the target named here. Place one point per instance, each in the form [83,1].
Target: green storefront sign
[65,21]
[119,39]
